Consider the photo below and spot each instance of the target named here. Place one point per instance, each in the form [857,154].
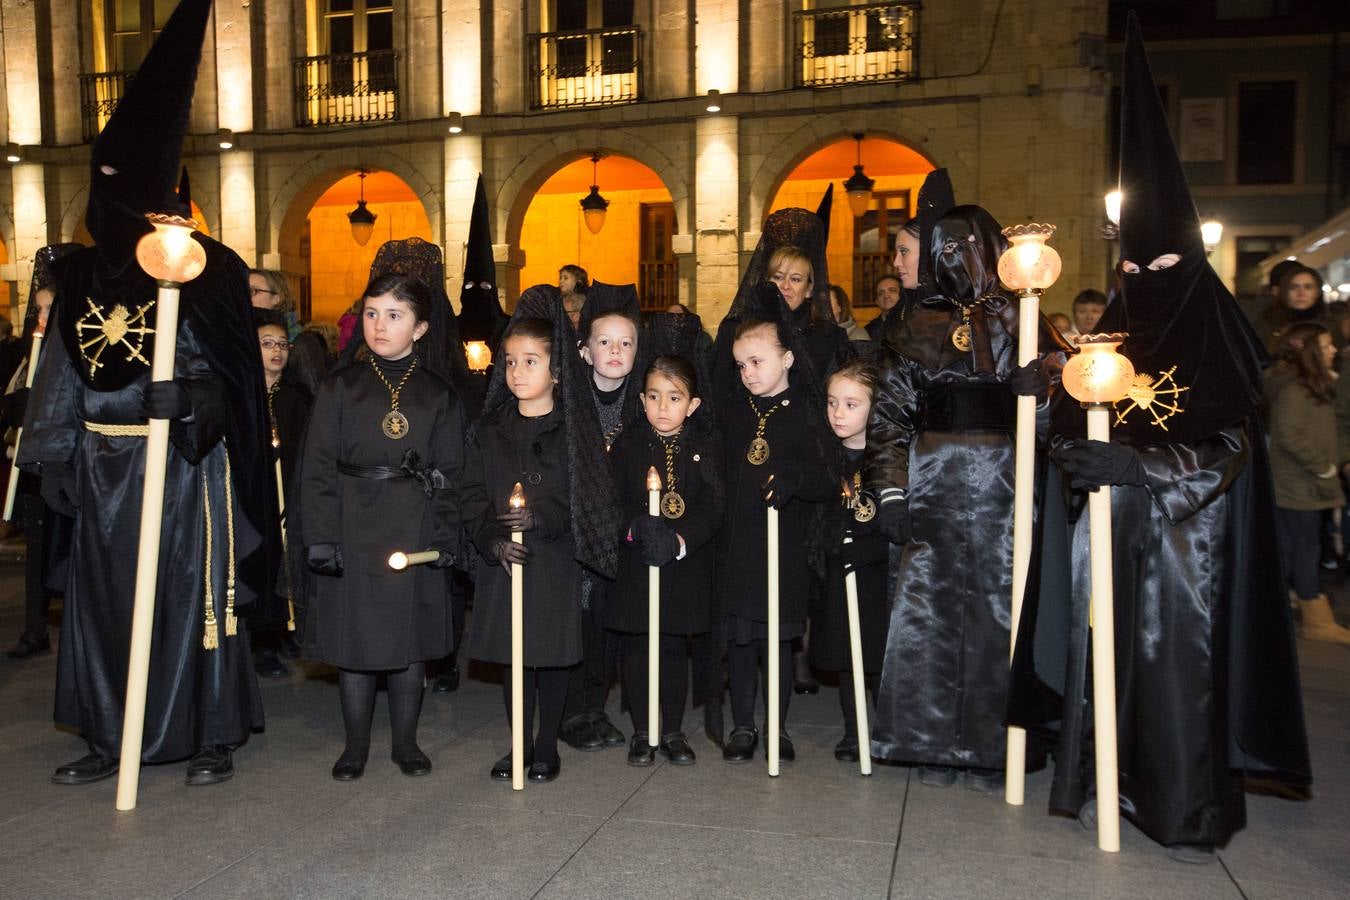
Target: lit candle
[771,673]
[517,655]
[653,620]
[856,657]
[398,560]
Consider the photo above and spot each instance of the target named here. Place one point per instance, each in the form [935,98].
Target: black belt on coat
[429,477]
[969,406]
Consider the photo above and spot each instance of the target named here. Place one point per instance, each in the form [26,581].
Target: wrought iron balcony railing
[597,67]
[847,44]
[99,95]
[344,88]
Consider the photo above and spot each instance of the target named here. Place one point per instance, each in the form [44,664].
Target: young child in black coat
[685,451]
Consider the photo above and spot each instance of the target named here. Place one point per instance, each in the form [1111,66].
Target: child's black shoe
[740,747]
[640,753]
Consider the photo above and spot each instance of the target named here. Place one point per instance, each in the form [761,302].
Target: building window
[589,55]
[130,27]
[874,234]
[355,76]
[1267,116]
[1251,249]
[850,43]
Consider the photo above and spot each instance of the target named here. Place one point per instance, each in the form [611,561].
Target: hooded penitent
[480,314]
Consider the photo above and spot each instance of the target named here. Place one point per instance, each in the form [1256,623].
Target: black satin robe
[1206,677]
[195,696]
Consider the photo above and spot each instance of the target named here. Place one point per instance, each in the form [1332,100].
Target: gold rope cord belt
[211,633]
[118,430]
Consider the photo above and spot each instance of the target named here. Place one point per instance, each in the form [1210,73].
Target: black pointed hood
[1180,317]
[826,205]
[936,199]
[480,313]
[134,160]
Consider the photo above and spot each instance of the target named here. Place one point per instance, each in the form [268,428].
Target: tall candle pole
[771,675]
[171,257]
[12,490]
[281,511]
[517,655]
[1028,266]
[856,657]
[653,621]
[1097,377]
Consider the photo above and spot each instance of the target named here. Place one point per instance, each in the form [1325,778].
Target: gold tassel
[231,623]
[290,608]
[211,634]
[210,638]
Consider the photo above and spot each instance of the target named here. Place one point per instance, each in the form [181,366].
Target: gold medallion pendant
[394,425]
[758,454]
[961,338]
[865,510]
[672,505]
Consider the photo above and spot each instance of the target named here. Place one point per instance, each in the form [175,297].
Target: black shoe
[713,726]
[1087,815]
[30,646]
[85,770]
[1195,854]
[808,686]
[605,730]
[290,647]
[267,665]
[987,781]
[542,773]
[414,763]
[847,749]
[937,776]
[740,747]
[578,734]
[786,752]
[640,753]
[501,770]
[447,682]
[350,766]
[213,764]
[675,747]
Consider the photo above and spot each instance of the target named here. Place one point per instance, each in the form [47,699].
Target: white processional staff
[34,351]
[653,620]
[856,655]
[771,671]
[517,501]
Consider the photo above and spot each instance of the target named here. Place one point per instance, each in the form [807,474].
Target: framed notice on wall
[1202,129]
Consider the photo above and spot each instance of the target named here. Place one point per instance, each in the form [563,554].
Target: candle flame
[398,561]
[276,439]
[848,489]
[653,479]
[517,497]
[41,327]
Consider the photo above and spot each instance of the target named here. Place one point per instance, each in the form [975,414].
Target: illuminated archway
[634,246]
[859,249]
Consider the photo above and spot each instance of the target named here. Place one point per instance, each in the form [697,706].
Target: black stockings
[357,692]
[743,665]
[551,687]
[673,676]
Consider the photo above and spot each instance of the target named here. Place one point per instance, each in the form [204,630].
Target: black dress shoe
[213,764]
[268,665]
[987,781]
[740,747]
[675,747]
[350,765]
[30,646]
[501,769]
[806,687]
[846,750]
[937,776]
[578,734]
[608,734]
[786,752]
[85,770]
[542,773]
[414,764]
[640,753]
[447,682]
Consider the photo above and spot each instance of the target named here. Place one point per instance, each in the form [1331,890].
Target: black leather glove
[782,486]
[444,561]
[521,519]
[893,521]
[507,552]
[657,539]
[58,489]
[852,556]
[1029,381]
[324,559]
[1091,464]
[15,403]
[166,400]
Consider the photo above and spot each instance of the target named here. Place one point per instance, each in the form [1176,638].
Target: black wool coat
[794,444]
[508,448]
[686,584]
[372,617]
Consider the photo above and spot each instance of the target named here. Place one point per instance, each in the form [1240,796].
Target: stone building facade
[1009,96]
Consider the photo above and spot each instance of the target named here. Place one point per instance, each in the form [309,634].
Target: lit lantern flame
[1113,207]
[478,356]
[169,253]
[517,497]
[653,479]
[1029,264]
[1097,373]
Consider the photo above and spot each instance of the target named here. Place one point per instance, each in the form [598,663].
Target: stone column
[462,56]
[716,216]
[769,42]
[65,87]
[717,50]
[420,92]
[238,204]
[30,225]
[234,67]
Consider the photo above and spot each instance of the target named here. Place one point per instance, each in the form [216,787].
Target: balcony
[346,88]
[596,67]
[100,93]
[853,44]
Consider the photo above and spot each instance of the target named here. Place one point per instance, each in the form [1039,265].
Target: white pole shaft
[517,670]
[771,675]
[12,490]
[859,676]
[1024,472]
[653,636]
[422,557]
[147,555]
[1103,647]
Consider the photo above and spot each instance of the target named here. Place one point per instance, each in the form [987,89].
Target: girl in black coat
[774,456]
[848,397]
[680,540]
[380,473]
